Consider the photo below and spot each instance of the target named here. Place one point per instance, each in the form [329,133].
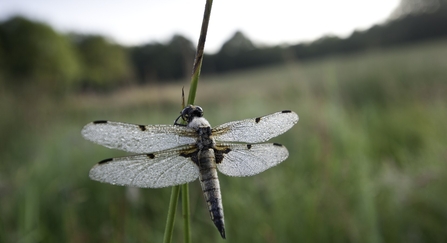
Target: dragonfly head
[190,112]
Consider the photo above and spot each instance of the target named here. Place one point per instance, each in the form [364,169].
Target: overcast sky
[265,22]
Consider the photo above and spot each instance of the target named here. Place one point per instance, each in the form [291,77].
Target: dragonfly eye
[198,111]
[186,113]
[185,116]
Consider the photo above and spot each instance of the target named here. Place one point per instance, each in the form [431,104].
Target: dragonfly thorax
[198,122]
[204,139]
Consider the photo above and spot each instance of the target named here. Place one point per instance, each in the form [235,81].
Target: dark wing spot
[191,155]
[151,156]
[186,155]
[99,122]
[142,127]
[249,146]
[286,111]
[219,154]
[226,151]
[257,119]
[277,144]
[105,161]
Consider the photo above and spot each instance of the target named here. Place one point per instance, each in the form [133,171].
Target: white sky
[265,22]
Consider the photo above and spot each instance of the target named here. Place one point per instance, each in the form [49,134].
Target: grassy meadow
[368,158]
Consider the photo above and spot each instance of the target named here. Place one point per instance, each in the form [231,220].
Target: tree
[239,52]
[237,44]
[155,61]
[412,7]
[104,64]
[182,51]
[34,54]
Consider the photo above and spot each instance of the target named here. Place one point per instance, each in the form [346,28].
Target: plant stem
[186,213]
[199,53]
[191,97]
[171,214]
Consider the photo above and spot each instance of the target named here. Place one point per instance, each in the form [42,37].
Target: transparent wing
[256,130]
[138,138]
[154,170]
[250,159]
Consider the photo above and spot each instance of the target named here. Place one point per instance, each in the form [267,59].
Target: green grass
[367,158]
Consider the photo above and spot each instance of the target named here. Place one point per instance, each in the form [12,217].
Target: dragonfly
[169,155]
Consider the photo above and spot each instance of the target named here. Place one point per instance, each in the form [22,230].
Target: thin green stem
[186,213]
[199,53]
[171,214]
[191,97]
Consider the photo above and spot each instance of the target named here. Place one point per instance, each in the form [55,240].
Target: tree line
[34,54]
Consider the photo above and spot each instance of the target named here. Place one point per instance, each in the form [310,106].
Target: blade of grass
[199,53]
[171,214]
[186,213]
[191,97]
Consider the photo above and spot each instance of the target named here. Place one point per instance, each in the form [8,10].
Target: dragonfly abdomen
[211,188]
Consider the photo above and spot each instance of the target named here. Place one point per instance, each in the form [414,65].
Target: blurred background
[368,158]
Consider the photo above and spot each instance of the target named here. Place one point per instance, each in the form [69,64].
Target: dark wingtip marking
[105,161]
[99,122]
[257,119]
[142,127]
[249,146]
[151,156]
[286,111]
[277,144]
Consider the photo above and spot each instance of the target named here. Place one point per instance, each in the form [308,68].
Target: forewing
[256,130]
[153,170]
[138,138]
[250,159]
